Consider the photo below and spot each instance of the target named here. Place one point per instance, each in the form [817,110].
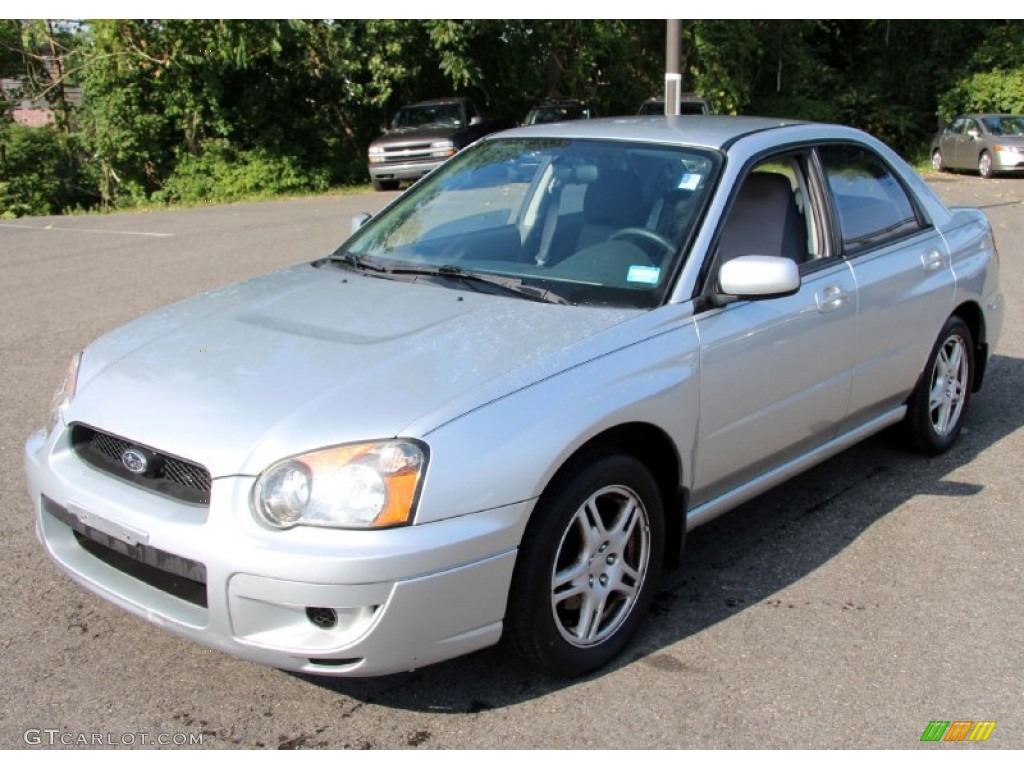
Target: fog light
[325,618]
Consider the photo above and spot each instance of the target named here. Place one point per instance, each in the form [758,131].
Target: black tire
[937,164]
[985,165]
[588,565]
[384,186]
[938,405]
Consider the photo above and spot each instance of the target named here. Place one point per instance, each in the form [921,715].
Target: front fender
[508,450]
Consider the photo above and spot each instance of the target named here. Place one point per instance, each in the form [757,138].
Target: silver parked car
[499,406]
[990,144]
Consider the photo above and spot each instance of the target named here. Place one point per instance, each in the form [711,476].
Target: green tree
[994,77]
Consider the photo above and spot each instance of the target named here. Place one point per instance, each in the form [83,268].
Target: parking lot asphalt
[847,608]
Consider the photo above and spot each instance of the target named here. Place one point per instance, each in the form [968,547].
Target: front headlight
[62,397]
[444,148]
[362,485]
[376,154]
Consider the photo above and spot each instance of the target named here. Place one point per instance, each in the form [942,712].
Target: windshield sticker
[689,181]
[641,274]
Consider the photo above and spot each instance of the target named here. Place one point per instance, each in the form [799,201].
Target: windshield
[552,114]
[594,222]
[1008,125]
[430,114]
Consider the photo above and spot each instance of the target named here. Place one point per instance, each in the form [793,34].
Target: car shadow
[737,561]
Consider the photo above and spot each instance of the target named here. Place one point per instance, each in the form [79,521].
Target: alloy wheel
[948,386]
[600,566]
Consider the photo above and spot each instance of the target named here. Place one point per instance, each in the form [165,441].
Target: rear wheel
[937,160]
[588,565]
[938,405]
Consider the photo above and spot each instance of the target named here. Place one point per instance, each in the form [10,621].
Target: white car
[500,405]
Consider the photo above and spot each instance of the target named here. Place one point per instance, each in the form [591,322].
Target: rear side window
[872,205]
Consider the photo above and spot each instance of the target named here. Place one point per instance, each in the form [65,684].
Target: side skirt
[709,510]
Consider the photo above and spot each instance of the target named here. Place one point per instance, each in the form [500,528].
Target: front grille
[408,152]
[175,575]
[163,473]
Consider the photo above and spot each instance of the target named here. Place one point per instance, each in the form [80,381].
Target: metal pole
[673,78]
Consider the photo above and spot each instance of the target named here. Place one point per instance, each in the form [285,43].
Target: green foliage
[995,91]
[723,62]
[994,80]
[11,62]
[194,109]
[221,173]
[40,173]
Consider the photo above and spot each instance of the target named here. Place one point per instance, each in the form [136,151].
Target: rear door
[903,275]
[948,142]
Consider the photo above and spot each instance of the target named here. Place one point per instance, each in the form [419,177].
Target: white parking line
[49,227]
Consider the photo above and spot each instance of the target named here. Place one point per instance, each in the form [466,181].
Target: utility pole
[673,77]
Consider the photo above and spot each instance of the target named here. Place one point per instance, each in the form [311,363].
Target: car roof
[710,131]
[443,100]
[981,115]
[558,103]
[687,96]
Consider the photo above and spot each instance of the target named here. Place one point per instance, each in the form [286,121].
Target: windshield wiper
[512,286]
[356,262]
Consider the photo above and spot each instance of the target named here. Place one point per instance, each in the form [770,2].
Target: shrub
[41,172]
[995,91]
[222,173]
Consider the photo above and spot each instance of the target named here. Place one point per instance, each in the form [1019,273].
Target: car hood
[307,357]
[408,135]
[1007,141]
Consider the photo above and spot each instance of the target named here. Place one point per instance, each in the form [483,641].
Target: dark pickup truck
[425,134]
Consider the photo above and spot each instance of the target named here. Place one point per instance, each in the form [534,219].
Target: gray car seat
[764,220]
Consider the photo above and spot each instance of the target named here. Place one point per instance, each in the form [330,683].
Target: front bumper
[402,598]
[407,171]
[1005,162]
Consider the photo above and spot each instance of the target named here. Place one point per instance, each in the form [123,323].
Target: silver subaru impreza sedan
[499,406]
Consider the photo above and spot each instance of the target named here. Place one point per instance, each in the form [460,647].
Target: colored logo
[958,730]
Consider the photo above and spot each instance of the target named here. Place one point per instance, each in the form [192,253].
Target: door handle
[831,298]
[932,261]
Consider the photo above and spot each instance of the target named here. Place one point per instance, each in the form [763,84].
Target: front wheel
[985,165]
[588,565]
[938,405]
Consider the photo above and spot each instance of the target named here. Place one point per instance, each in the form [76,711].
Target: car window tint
[772,214]
[872,205]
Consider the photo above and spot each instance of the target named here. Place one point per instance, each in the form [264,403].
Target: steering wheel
[647,235]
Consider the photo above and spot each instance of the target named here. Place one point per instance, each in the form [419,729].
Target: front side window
[872,205]
[772,213]
[590,222]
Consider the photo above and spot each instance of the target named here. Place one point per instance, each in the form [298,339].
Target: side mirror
[475,120]
[357,221]
[974,133]
[759,277]
[383,127]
